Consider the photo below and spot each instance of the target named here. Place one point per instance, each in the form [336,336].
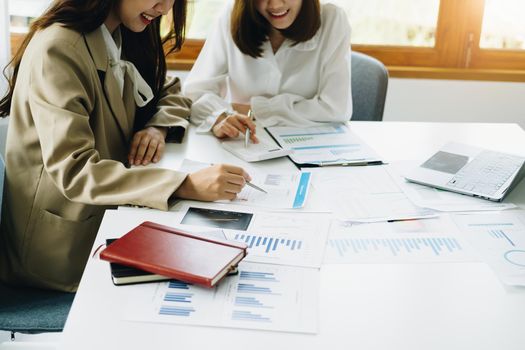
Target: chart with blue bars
[256,296]
[401,249]
[260,296]
[396,246]
[177,292]
[268,244]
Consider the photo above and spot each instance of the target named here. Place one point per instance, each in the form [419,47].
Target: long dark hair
[250,29]
[144,49]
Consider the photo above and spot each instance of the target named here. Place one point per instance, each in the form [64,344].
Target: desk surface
[362,306]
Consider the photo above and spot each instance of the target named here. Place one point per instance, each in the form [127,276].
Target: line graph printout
[277,238]
[324,145]
[413,241]
[500,241]
[365,194]
[267,297]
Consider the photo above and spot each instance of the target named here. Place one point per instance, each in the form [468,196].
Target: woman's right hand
[217,182]
[234,124]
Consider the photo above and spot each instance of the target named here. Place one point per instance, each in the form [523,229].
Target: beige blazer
[67,144]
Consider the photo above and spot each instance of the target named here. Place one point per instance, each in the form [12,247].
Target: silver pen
[247,133]
[255,187]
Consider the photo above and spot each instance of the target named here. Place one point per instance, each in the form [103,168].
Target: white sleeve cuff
[208,123]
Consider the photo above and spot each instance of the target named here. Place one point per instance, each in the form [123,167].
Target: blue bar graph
[178,297]
[253,289]
[257,276]
[269,245]
[250,302]
[183,311]
[178,285]
[395,246]
[239,315]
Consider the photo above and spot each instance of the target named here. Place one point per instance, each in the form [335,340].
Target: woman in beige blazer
[88,97]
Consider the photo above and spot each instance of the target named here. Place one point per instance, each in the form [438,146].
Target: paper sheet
[295,239]
[285,239]
[255,151]
[500,241]
[365,194]
[433,198]
[414,241]
[284,190]
[266,297]
[324,145]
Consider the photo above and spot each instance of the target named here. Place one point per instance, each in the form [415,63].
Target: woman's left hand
[147,146]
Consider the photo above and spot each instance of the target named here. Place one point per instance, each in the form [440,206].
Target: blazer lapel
[129,99]
[97,49]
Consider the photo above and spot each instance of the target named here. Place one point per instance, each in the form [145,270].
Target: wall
[455,101]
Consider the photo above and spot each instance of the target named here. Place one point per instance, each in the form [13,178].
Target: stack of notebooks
[153,252]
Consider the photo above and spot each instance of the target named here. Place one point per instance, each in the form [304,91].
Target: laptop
[470,170]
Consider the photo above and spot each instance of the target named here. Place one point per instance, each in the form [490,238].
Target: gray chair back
[30,310]
[369,87]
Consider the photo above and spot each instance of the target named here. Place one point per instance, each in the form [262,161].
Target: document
[254,152]
[297,239]
[500,241]
[330,144]
[364,194]
[415,241]
[285,239]
[265,297]
[433,198]
[283,190]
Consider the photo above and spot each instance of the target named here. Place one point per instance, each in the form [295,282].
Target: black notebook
[121,274]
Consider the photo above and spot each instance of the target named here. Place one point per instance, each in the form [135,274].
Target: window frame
[456,54]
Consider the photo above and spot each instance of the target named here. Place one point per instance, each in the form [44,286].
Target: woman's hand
[234,124]
[217,182]
[147,146]
[242,109]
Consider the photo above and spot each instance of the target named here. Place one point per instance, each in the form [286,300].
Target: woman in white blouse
[286,61]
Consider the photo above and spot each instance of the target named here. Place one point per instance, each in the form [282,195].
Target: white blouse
[298,85]
[141,90]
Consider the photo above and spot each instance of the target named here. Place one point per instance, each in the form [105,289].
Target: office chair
[29,310]
[369,86]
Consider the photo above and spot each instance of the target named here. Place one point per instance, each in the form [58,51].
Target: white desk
[362,306]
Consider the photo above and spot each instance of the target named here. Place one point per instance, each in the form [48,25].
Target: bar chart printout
[268,297]
[277,238]
[500,241]
[395,243]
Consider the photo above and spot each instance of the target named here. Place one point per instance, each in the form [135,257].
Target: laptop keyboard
[486,173]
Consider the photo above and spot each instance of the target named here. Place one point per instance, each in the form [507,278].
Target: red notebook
[170,252]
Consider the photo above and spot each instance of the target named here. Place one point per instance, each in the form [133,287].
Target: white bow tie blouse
[141,90]
[298,85]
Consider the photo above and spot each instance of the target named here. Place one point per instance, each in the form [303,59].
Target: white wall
[456,101]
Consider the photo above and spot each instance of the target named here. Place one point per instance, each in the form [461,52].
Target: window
[503,25]
[458,39]
[400,22]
